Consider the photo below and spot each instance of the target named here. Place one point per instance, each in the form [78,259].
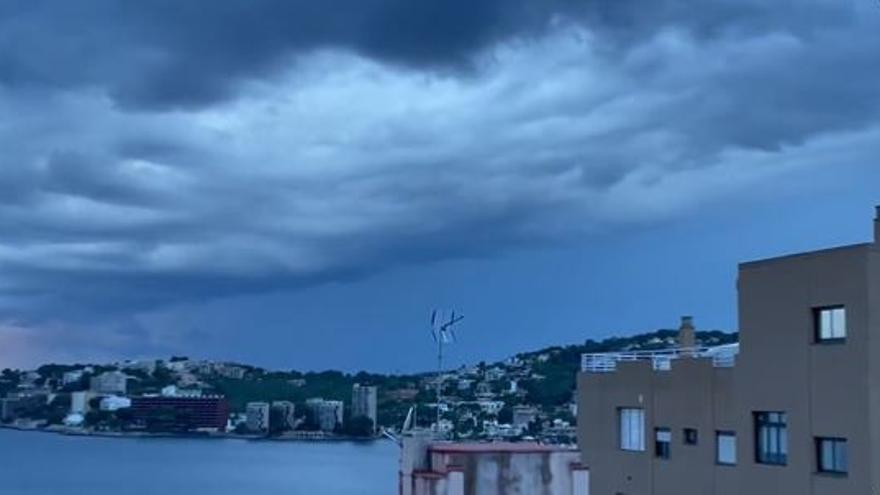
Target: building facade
[285,413]
[523,416]
[114,403]
[430,467]
[258,414]
[794,409]
[80,402]
[364,401]
[181,413]
[15,404]
[110,382]
[327,414]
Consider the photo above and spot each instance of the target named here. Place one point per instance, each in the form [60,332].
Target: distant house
[71,377]
[175,391]
[110,382]
[491,406]
[484,389]
[147,366]
[523,416]
[495,373]
[403,394]
[226,370]
[114,403]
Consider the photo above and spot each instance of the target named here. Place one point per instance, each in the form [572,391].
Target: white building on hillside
[258,416]
[79,402]
[71,377]
[115,403]
[111,382]
[363,402]
[326,413]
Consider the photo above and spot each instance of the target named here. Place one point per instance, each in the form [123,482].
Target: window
[725,448]
[771,438]
[830,323]
[632,429]
[831,455]
[662,443]
[690,436]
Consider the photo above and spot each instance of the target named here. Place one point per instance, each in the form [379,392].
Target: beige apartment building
[794,409]
[434,467]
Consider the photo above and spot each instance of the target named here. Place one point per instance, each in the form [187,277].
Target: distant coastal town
[528,397]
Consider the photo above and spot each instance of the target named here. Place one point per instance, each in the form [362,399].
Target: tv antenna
[443,333]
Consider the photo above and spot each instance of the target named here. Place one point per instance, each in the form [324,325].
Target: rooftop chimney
[687,337]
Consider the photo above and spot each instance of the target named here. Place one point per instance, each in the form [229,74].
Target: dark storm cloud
[165,53]
[169,53]
[165,151]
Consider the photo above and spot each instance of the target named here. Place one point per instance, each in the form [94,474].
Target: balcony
[722,357]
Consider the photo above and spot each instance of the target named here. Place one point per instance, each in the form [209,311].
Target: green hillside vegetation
[555,387]
[559,371]
[547,376]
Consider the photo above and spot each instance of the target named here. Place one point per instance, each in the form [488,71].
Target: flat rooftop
[807,254]
[722,356]
[495,448]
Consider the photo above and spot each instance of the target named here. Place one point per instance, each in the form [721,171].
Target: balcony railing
[722,357]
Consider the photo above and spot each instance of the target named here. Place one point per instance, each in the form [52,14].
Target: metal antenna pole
[439,378]
[441,333]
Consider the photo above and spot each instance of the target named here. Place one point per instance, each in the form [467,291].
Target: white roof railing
[722,357]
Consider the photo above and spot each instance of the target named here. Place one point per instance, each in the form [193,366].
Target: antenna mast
[443,334]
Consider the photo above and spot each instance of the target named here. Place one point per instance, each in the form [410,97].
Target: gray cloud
[190,54]
[167,54]
[288,145]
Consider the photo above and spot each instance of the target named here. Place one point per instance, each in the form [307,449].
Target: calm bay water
[34,463]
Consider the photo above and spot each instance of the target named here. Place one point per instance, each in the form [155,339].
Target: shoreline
[70,432]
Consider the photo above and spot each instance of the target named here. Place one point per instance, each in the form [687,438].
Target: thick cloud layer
[166,54]
[158,152]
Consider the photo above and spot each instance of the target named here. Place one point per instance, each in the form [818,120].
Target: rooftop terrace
[722,357]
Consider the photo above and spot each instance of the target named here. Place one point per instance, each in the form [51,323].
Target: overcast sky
[296,183]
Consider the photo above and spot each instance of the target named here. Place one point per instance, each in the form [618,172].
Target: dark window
[831,455]
[662,442]
[690,436]
[771,438]
[830,324]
